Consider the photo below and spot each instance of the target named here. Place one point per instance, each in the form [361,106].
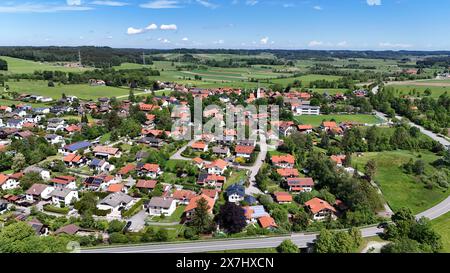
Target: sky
[234,24]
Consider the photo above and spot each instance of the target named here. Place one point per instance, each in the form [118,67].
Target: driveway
[138,221]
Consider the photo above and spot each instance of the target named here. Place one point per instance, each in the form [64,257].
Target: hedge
[54,209]
[100,212]
[134,209]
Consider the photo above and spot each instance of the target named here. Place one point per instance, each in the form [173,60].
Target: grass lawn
[25,66]
[401,189]
[317,120]
[442,226]
[9,102]
[175,217]
[236,177]
[82,91]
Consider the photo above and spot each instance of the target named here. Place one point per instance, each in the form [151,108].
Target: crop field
[83,91]
[306,80]
[401,189]
[317,120]
[25,66]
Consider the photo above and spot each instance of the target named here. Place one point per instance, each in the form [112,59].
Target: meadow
[401,189]
[82,91]
[25,66]
[413,90]
[317,120]
[442,226]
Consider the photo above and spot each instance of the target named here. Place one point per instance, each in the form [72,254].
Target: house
[149,170]
[320,209]
[211,180]
[300,184]
[235,193]
[183,197]
[8,183]
[38,192]
[189,210]
[152,141]
[141,155]
[283,161]
[77,146]
[253,213]
[3,206]
[106,152]
[56,124]
[34,169]
[244,151]
[214,194]
[23,135]
[306,110]
[64,181]
[98,182]
[15,123]
[116,202]
[100,165]
[305,128]
[69,230]
[54,139]
[331,127]
[74,160]
[221,151]
[283,197]
[285,173]
[73,128]
[161,206]
[199,146]
[338,159]
[198,162]
[126,170]
[148,185]
[38,227]
[267,222]
[63,196]
[218,167]
[119,187]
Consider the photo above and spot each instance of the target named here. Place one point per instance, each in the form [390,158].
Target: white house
[62,196]
[42,172]
[38,192]
[8,183]
[306,110]
[116,202]
[218,167]
[161,206]
[54,139]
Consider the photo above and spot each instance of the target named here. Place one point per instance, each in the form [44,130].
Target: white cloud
[134,31]
[374,2]
[342,44]
[164,40]
[185,39]
[315,43]
[317,7]
[264,40]
[151,27]
[73,2]
[168,27]
[161,4]
[219,42]
[394,45]
[207,4]
[251,2]
[109,3]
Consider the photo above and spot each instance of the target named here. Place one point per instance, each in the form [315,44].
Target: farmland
[25,66]
[83,91]
[317,120]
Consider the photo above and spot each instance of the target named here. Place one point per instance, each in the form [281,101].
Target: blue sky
[285,24]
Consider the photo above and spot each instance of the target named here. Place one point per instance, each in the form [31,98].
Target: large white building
[307,110]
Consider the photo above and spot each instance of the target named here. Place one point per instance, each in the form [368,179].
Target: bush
[118,238]
[100,212]
[190,234]
[54,209]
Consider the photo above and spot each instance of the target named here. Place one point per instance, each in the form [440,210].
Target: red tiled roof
[63,179]
[183,194]
[283,159]
[72,158]
[193,203]
[267,221]
[316,204]
[338,159]
[151,167]
[329,124]
[221,164]
[198,145]
[210,193]
[283,197]
[146,184]
[115,187]
[127,168]
[242,149]
[287,172]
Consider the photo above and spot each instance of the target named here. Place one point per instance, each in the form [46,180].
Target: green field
[25,66]
[82,91]
[442,226]
[306,80]
[317,120]
[401,189]
[413,90]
